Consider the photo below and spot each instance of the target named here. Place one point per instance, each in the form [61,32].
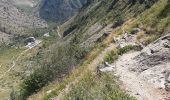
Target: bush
[111,56]
[35,81]
[125,49]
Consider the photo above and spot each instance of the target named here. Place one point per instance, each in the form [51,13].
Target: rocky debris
[125,40]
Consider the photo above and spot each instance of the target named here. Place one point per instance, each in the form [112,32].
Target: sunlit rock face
[59,10]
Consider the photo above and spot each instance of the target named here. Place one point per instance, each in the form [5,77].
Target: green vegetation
[125,49]
[92,86]
[114,54]
[60,63]
[111,56]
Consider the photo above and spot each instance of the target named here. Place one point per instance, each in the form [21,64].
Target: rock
[135,30]
[47,34]
[137,94]
[166,44]
[48,92]
[152,63]
[125,40]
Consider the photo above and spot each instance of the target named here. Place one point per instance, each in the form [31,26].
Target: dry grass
[140,35]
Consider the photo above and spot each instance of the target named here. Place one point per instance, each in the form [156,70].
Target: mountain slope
[75,56]
[59,10]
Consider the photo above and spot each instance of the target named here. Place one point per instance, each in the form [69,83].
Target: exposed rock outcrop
[145,74]
[156,53]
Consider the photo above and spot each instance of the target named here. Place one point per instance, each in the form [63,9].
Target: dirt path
[58,31]
[18,57]
[131,81]
[14,63]
[92,66]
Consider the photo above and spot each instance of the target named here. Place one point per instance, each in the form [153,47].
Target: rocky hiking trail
[145,74]
[132,83]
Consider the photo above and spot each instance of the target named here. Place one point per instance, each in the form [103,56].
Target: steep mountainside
[59,10]
[72,60]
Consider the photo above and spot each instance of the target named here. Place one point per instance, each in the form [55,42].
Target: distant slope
[59,10]
[14,21]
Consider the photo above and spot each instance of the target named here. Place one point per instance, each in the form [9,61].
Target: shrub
[35,81]
[111,56]
[125,49]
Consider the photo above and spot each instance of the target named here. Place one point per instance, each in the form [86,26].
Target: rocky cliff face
[60,10]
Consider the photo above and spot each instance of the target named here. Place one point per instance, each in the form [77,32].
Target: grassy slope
[147,20]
